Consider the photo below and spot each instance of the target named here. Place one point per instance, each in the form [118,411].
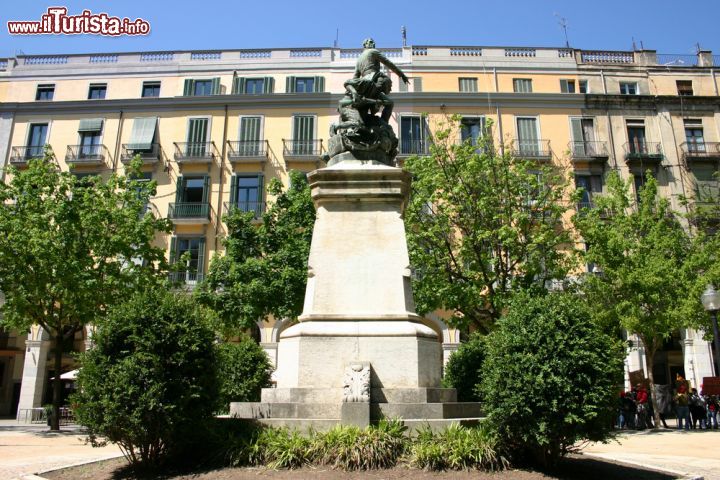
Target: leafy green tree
[243,370]
[264,269]
[651,268]
[480,226]
[464,367]
[149,384]
[70,248]
[550,377]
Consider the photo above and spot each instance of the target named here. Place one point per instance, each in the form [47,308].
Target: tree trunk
[57,382]
[649,362]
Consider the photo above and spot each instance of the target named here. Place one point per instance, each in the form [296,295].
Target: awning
[91,125]
[143,133]
[71,375]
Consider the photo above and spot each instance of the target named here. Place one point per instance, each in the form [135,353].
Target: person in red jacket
[643,409]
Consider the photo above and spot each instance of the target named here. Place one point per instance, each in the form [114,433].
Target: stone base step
[324,424]
[425,410]
[377,395]
[262,410]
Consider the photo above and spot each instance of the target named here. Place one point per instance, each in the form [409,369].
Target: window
[567,86]
[150,89]
[528,137]
[303,142]
[468,84]
[583,135]
[522,85]
[143,178]
[253,86]
[37,137]
[591,185]
[192,249]
[197,144]
[246,193]
[250,137]
[97,91]
[472,129]
[639,180]
[193,189]
[412,135]
[707,183]
[628,88]
[201,87]
[637,143]
[583,86]
[90,131]
[142,136]
[416,83]
[45,92]
[694,136]
[684,88]
[305,84]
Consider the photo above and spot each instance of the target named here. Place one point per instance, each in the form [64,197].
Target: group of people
[693,410]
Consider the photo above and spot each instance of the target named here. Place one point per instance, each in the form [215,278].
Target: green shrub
[464,368]
[457,448]
[351,448]
[149,383]
[243,370]
[550,377]
[280,448]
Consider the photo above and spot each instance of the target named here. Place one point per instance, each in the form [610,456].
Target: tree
[70,248]
[264,269]
[550,377]
[464,367]
[651,267]
[482,225]
[149,384]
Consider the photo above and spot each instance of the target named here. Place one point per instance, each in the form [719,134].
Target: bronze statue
[360,130]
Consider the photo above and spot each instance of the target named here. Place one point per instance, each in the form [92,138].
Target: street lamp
[711,301]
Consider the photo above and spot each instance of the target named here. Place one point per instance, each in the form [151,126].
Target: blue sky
[663,25]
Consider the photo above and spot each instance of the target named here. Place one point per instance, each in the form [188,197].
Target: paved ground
[27,449]
[693,453]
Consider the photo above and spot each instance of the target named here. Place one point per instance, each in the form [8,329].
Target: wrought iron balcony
[147,155]
[80,155]
[307,150]
[194,152]
[594,150]
[410,147]
[643,151]
[188,278]
[258,208]
[20,156]
[189,212]
[701,150]
[532,149]
[248,150]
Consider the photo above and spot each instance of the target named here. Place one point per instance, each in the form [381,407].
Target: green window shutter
[201,258]
[577,131]
[206,188]
[269,85]
[91,125]
[261,188]
[250,128]
[238,85]
[233,189]
[216,86]
[173,250]
[197,130]
[188,89]
[417,84]
[180,189]
[143,133]
[402,86]
[319,84]
[290,85]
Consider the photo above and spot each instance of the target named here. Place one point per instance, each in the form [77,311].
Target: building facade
[214,126]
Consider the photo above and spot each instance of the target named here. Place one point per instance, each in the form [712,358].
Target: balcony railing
[700,149]
[189,212]
[258,208]
[248,150]
[413,147]
[187,277]
[147,155]
[302,148]
[19,156]
[86,154]
[201,152]
[532,149]
[588,150]
[643,151]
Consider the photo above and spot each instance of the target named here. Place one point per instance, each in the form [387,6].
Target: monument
[359,351]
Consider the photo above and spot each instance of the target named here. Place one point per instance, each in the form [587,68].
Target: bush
[457,448]
[149,382]
[243,370]
[550,377]
[351,448]
[463,369]
[279,448]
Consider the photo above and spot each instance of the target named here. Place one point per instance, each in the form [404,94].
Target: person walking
[682,400]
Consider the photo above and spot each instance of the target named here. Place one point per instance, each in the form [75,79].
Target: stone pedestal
[358,308]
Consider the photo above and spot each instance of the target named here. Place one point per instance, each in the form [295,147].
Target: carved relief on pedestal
[356,382]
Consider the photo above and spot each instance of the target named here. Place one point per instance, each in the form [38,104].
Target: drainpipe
[496,79]
[712,71]
[500,131]
[222,176]
[117,142]
[602,76]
